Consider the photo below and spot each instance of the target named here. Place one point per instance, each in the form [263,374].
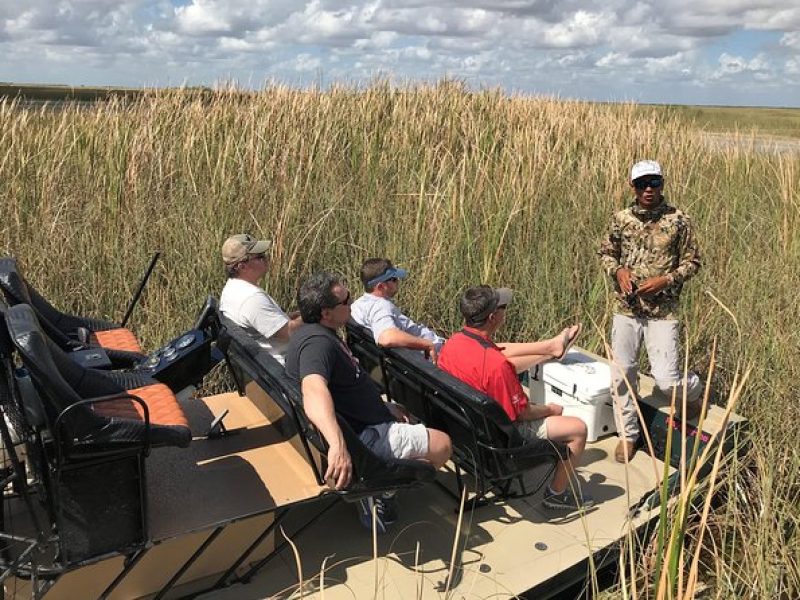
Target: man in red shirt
[475,359]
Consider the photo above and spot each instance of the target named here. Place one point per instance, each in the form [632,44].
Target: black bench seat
[486,444]
[371,474]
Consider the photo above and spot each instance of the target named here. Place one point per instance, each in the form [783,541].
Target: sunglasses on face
[648,182]
[344,302]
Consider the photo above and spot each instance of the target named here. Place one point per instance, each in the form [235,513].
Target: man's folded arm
[395,338]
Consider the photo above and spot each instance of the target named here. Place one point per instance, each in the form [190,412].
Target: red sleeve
[503,385]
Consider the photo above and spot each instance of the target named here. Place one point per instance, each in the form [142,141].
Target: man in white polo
[376,311]
[247,304]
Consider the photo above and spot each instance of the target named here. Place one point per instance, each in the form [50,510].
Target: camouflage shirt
[651,243]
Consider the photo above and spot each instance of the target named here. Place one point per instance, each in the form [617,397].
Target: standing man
[472,356]
[649,252]
[247,304]
[332,382]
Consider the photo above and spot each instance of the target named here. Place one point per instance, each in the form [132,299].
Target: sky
[728,52]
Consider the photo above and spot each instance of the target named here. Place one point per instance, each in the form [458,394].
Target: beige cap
[237,247]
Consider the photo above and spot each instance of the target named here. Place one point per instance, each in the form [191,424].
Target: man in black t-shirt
[333,382]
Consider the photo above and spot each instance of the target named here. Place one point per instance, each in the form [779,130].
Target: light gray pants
[661,338]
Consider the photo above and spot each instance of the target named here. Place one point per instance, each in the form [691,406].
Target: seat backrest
[22,404]
[56,377]
[485,440]
[208,319]
[250,362]
[484,415]
[6,346]
[10,408]
[14,286]
[18,291]
[362,345]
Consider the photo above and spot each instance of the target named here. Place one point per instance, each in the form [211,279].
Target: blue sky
[736,52]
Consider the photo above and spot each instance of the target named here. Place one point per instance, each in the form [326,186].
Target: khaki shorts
[533,430]
[396,440]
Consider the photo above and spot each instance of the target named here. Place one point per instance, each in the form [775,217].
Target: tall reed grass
[458,187]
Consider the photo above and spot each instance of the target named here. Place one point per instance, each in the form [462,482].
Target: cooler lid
[579,375]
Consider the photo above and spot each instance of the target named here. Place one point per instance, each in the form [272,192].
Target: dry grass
[460,188]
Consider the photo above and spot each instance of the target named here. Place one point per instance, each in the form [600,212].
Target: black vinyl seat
[371,474]
[486,443]
[87,434]
[67,330]
[362,344]
[88,412]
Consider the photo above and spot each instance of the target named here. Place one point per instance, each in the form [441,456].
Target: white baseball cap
[645,167]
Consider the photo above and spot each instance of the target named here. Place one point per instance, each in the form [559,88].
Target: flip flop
[569,341]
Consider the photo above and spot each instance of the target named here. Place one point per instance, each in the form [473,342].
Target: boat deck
[503,549]
[253,470]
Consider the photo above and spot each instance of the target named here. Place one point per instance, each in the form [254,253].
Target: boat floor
[503,549]
[255,469]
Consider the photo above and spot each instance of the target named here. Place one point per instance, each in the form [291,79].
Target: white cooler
[580,384]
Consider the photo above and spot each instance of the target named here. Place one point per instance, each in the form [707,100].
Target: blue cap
[388,274]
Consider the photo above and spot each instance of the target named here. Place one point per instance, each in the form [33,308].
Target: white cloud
[791,40]
[580,29]
[306,62]
[735,65]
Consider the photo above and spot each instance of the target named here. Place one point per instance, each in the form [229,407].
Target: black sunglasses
[645,182]
[344,302]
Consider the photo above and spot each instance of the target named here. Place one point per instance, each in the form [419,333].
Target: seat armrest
[59,424]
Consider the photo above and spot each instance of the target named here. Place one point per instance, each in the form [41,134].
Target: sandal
[569,340]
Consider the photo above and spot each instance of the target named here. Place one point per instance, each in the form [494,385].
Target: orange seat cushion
[121,338]
[161,403]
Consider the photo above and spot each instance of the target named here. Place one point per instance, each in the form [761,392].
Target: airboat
[120,481]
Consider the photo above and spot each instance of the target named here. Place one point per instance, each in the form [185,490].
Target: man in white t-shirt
[247,304]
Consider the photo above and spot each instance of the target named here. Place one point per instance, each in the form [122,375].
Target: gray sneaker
[566,500]
[364,507]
